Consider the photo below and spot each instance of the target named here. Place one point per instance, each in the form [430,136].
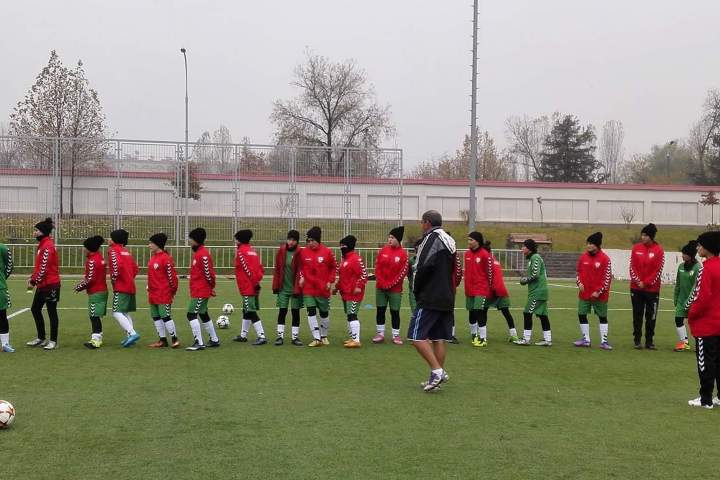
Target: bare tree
[611,150]
[636,170]
[628,214]
[222,141]
[702,133]
[526,136]
[335,107]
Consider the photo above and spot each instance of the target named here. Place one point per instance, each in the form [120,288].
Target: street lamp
[187,153]
[667,159]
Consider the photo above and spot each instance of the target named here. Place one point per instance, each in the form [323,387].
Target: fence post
[400,189]
[57,188]
[236,190]
[292,190]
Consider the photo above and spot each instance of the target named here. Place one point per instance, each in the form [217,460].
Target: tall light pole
[187,153]
[668,158]
[472,213]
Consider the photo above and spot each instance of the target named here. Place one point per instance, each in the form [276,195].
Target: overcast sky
[647,63]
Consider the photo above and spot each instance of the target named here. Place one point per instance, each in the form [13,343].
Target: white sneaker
[36,343]
[543,343]
[716,402]
[50,346]
[695,402]
[522,341]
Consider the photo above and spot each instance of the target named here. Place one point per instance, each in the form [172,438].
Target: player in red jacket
[202,287]
[94,282]
[352,278]
[46,281]
[249,272]
[478,279]
[647,260]
[704,320]
[123,271]
[594,275]
[391,267]
[500,298]
[285,287]
[162,287]
[317,276]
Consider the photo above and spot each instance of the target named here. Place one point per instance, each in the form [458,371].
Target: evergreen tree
[569,153]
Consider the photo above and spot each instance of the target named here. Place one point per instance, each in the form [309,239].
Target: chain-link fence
[93,186]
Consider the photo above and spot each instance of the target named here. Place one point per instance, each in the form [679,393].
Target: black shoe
[472,338]
[454,340]
[279,341]
[260,341]
[240,339]
[91,345]
[195,347]
[650,346]
[296,341]
[638,346]
[213,343]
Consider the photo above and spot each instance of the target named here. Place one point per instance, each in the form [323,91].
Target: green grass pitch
[294,412]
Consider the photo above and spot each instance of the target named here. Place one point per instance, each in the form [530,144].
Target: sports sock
[170,327]
[295,332]
[123,322]
[355,330]
[132,326]
[314,329]
[96,336]
[512,332]
[547,335]
[245,327]
[259,328]
[682,333]
[160,327]
[453,331]
[281,330]
[4,338]
[396,332]
[380,329]
[196,331]
[585,329]
[482,332]
[603,332]
[210,329]
[527,334]
[324,326]
[473,329]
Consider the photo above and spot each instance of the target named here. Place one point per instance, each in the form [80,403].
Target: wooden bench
[516,239]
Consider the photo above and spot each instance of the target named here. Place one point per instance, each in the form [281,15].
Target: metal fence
[94,186]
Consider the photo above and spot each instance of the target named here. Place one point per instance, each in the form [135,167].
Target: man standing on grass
[317,276]
[202,287]
[594,274]
[352,277]
[647,260]
[248,274]
[6,268]
[537,301]
[390,270]
[285,286]
[162,287]
[94,282]
[704,320]
[434,288]
[687,274]
[478,278]
[123,270]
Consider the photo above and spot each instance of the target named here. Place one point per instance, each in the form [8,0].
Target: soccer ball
[228,309]
[7,414]
[223,322]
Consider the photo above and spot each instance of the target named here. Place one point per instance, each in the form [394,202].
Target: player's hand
[335,290]
[301,282]
[581,287]
[257,288]
[641,284]
[357,290]
[596,295]
[328,286]
[29,284]
[212,293]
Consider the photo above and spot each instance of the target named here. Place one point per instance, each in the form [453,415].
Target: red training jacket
[279,270]
[95,279]
[352,275]
[202,274]
[595,273]
[162,279]
[498,281]
[248,270]
[478,273]
[646,265]
[317,269]
[704,316]
[123,269]
[391,267]
[46,272]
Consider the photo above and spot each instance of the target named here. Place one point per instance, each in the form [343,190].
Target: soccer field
[242,411]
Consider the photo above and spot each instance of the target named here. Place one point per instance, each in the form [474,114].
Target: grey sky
[646,63]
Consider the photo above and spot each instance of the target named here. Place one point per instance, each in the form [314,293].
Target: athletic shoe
[279,341]
[353,344]
[93,344]
[131,340]
[681,346]
[522,341]
[650,346]
[397,340]
[446,379]
[638,346]
[7,348]
[582,343]
[36,343]
[315,343]
[716,402]
[162,343]
[513,339]
[473,338]
[605,346]
[454,340]
[195,347]
[175,343]
[379,338]
[481,342]
[345,342]
[213,343]
[325,340]
[240,339]
[543,343]
[260,341]
[433,382]
[695,402]
[51,346]
[296,341]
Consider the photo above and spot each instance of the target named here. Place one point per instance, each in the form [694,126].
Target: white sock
[281,331]
[355,330]
[527,334]
[123,322]
[96,336]
[547,335]
[473,329]
[4,338]
[324,326]
[196,331]
[585,330]
[513,332]
[170,328]
[682,333]
[483,332]
[259,329]
[314,329]
[396,332]
[210,329]
[245,327]
[453,330]
[160,327]
[295,332]
[380,329]
[132,326]
[603,332]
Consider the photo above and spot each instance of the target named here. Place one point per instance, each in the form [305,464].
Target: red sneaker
[379,338]
[397,340]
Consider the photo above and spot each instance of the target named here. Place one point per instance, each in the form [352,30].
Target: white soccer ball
[223,322]
[228,309]
[7,414]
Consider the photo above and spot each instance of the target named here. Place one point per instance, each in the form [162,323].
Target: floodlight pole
[472,211]
[187,154]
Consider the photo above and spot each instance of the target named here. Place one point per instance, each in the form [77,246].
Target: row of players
[306,277]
